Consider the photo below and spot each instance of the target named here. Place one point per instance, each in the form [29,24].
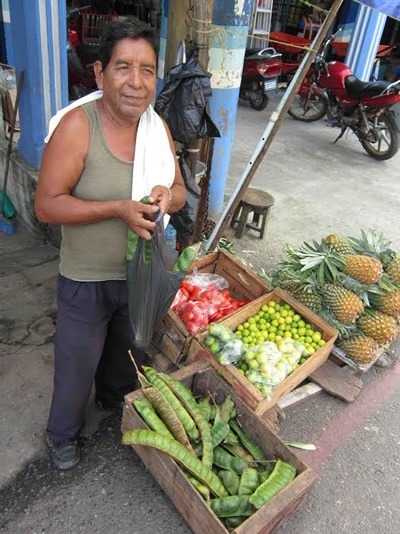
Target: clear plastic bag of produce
[152,285]
[225,346]
[207,281]
[267,365]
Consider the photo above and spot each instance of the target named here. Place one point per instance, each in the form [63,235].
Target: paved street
[319,188]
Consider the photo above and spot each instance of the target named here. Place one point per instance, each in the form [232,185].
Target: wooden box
[202,378]
[243,387]
[172,337]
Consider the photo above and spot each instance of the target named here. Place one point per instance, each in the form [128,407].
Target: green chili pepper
[148,438]
[252,447]
[149,416]
[226,461]
[234,505]
[281,476]
[248,481]
[230,480]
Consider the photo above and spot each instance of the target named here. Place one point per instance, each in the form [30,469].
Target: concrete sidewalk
[318,188]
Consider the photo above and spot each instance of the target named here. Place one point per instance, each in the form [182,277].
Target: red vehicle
[261,71]
[330,88]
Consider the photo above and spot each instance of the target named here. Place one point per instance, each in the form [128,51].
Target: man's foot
[64,454]
[104,404]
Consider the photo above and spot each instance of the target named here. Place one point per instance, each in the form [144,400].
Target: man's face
[129,80]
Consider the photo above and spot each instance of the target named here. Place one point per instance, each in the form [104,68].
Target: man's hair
[117,30]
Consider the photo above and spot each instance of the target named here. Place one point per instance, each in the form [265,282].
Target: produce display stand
[172,337]
[202,379]
[242,386]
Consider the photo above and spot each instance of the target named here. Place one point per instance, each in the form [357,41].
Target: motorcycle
[80,59]
[261,70]
[365,108]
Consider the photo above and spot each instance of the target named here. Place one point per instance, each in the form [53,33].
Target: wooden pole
[271,130]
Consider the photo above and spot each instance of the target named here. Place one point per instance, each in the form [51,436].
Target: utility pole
[271,130]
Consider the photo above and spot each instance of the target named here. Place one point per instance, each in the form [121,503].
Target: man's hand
[161,197]
[139,217]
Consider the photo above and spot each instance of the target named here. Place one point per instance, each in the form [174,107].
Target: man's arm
[62,165]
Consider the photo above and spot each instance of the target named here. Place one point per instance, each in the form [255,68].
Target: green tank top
[96,251]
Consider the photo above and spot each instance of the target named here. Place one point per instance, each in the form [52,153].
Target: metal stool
[257,202]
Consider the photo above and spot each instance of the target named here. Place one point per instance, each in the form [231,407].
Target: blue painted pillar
[6,19]
[227,47]
[39,36]
[364,41]
[162,52]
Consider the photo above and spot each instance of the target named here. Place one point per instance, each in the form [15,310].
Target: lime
[272,304]
[317,336]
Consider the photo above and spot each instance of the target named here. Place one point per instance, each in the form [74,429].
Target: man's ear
[98,72]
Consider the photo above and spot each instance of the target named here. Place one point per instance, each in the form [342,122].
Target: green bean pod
[186,397]
[201,488]
[132,244]
[227,410]
[230,480]
[148,250]
[168,415]
[252,447]
[149,416]
[219,432]
[263,475]
[187,422]
[281,476]
[204,408]
[248,481]
[234,505]
[238,451]
[149,438]
[233,522]
[226,461]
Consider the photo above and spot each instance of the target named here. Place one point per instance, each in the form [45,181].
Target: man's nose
[135,77]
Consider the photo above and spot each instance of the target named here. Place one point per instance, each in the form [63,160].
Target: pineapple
[360,348]
[363,268]
[343,303]
[311,300]
[378,325]
[339,245]
[393,270]
[390,303]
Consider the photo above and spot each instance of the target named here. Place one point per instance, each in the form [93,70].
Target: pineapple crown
[373,243]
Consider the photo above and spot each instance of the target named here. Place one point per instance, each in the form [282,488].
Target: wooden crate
[202,379]
[243,387]
[172,337]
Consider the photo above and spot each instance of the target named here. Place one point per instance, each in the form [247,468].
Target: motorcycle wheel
[260,101]
[383,141]
[310,108]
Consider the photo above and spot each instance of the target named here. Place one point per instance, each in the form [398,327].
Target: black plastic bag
[183,102]
[152,285]
[184,219]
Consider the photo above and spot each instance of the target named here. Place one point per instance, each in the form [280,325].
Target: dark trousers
[92,340]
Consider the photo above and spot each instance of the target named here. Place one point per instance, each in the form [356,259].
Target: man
[102,154]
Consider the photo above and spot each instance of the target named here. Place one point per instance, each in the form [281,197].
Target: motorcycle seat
[356,88]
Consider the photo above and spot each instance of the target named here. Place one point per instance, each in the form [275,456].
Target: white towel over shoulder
[154,163]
